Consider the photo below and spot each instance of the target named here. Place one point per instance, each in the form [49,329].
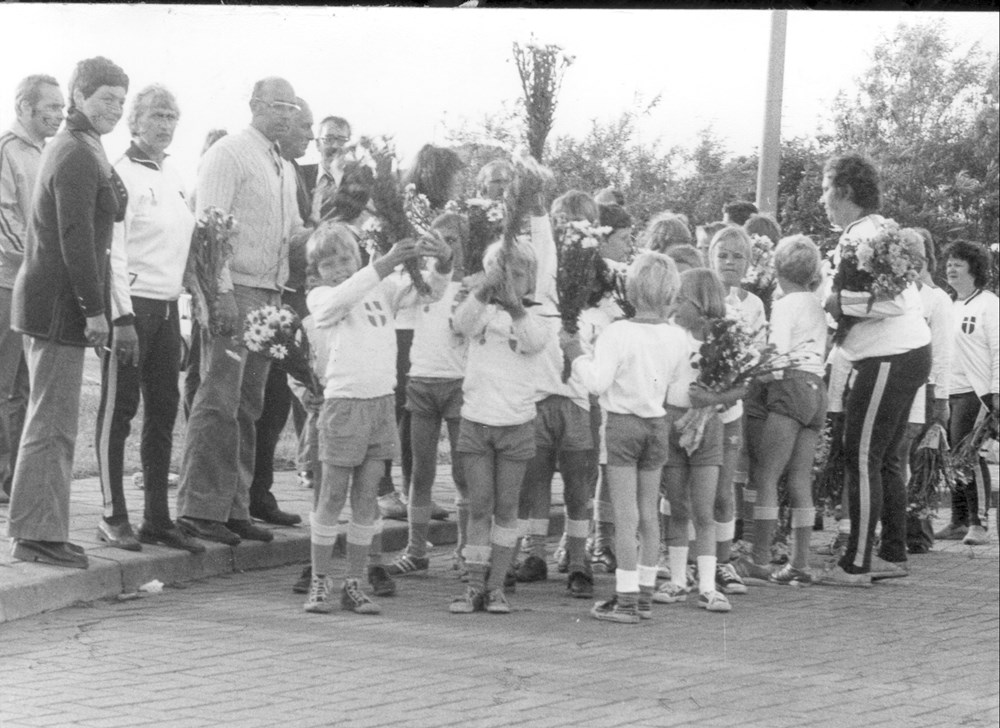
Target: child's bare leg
[458,476]
[330,496]
[675,480]
[535,500]
[577,469]
[648,498]
[800,490]
[364,511]
[725,496]
[623,488]
[424,432]
[509,475]
[479,477]
[772,448]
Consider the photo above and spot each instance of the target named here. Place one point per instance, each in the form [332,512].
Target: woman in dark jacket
[61,304]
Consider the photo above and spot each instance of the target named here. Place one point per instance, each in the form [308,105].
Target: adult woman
[974,381]
[62,305]
[889,349]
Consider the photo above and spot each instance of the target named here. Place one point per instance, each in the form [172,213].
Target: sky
[416,72]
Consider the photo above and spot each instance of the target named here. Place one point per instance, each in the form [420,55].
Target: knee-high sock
[502,543]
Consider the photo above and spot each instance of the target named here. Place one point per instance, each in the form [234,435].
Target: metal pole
[770,148]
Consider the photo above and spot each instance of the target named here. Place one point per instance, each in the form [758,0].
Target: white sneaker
[976,536]
[319,595]
[714,601]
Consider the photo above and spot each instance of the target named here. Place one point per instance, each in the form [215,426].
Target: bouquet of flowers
[486,224]
[932,467]
[967,454]
[531,178]
[277,334]
[882,266]
[211,250]
[389,205]
[760,277]
[374,238]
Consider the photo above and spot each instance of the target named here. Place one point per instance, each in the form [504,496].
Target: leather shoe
[118,535]
[248,531]
[172,537]
[57,553]
[274,515]
[207,530]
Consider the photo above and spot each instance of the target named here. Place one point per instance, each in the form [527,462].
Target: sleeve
[855,303]
[405,294]
[330,304]
[13,221]
[991,317]
[319,350]
[76,185]
[597,372]
[470,316]
[218,179]
[121,297]
[942,341]
[532,333]
[544,246]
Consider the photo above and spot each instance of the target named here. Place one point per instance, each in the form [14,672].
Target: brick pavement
[236,649]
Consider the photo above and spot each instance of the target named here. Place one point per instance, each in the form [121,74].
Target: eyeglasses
[282,106]
[333,138]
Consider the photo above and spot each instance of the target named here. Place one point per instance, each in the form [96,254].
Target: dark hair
[609,196]
[761,224]
[575,205]
[929,255]
[614,217]
[739,211]
[432,173]
[30,89]
[976,255]
[334,121]
[857,177]
[92,73]
[349,199]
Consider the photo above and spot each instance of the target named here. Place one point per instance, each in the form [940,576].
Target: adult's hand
[125,345]
[940,412]
[96,331]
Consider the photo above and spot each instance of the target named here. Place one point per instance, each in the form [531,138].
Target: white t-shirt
[798,323]
[438,351]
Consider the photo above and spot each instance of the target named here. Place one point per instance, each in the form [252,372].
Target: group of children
[488,360]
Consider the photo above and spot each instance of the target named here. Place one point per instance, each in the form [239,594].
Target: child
[634,362]
[353,310]
[692,478]
[497,433]
[433,394]
[786,415]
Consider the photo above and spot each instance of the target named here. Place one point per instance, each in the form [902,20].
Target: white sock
[678,557]
[706,573]
[626,582]
[647,576]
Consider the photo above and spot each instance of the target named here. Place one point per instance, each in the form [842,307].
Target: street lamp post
[770,148]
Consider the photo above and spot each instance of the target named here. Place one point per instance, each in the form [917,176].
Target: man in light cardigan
[244,175]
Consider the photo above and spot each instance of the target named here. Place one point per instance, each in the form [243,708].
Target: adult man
[738,212]
[149,251]
[39,108]
[277,395]
[334,133]
[244,175]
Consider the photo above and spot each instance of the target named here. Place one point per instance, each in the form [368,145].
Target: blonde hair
[703,288]
[730,234]
[664,232]
[686,254]
[515,256]
[576,205]
[652,281]
[798,259]
[329,239]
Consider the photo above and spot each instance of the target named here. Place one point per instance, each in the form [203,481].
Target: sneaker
[836,576]
[138,480]
[779,552]
[562,556]
[788,575]
[603,560]
[496,602]
[471,601]
[458,564]
[438,513]
[382,584]
[751,572]
[533,569]
[952,532]
[580,585]
[613,610]
[742,547]
[882,569]
[714,601]
[406,564]
[319,595]
[976,536]
[305,478]
[391,506]
[670,593]
[305,579]
[835,547]
[354,600]
[663,568]
[728,581]
[644,604]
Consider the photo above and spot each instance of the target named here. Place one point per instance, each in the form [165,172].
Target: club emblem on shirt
[968,324]
[376,316]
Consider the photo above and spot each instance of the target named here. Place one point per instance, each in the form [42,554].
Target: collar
[76,121]
[975,293]
[263,141]
[140,157]
[17,128]
[875,219]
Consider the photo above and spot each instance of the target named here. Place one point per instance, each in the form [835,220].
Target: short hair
[857,176]
[575,205]
[976,255]
[763,224]
[739,211]
[432,173]
[153,95]
[609,196]
[914,243]
[930,255]
[651,281]
[92,73]
[334,121]
[614,217]
[330,238]
[686,254]
[211,138]
[731,234]
[515,255]
[30,89]
[705,233]
[798,259]
[487,170]
[453,221]
[703,288]
[348,199]
[665,231]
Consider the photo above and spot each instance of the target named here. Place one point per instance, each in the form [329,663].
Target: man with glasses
[39,106]
[334,134]
[244,175]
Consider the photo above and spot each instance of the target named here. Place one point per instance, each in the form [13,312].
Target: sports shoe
[562,556]
[836,576]
[622,610]
[301,586]
[532,569]
[952,532]
[438,513]
[644,604]
[138,480]
[319,595]
[391,506]
[381,583]
[406,564]
[305,478]
[728,581]
[354,600]
[779,552]
[882,569]
[835,547]
[976,536]
[788,575]
[470,601]
[750,571]
[663,567]
[670,593]
[603,560]
[580,585]
[496,602]
[714,601]
[742,547]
